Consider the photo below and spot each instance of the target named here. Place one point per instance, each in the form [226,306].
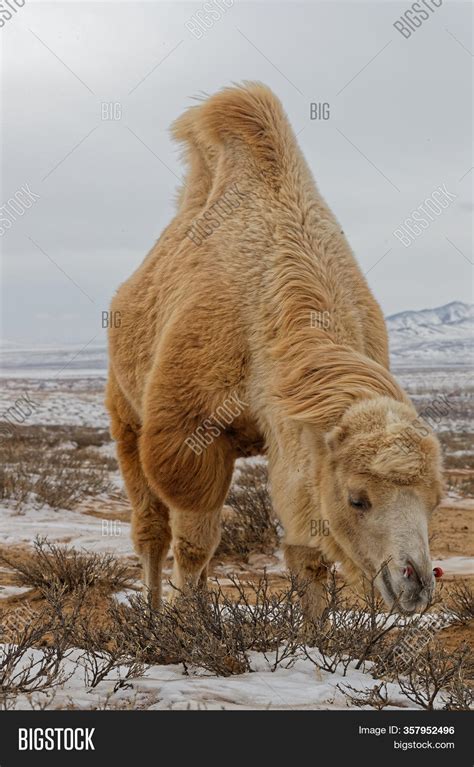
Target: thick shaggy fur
[202,320]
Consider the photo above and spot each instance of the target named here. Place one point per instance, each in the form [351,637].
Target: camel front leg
[307,566]
[151,537]
[196,535]
[151,533]
[296,504]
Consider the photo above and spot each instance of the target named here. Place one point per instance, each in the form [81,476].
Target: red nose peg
[408,571]
[438,572]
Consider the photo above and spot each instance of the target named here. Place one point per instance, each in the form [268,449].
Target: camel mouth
[401,601]
[388,584]
[392,599]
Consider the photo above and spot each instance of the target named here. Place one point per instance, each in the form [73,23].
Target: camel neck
[318,385]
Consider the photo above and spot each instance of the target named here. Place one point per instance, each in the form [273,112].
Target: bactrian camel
[252,295]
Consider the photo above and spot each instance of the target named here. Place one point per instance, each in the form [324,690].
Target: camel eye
[360,502]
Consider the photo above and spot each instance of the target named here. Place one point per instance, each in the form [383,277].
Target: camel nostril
[408,571]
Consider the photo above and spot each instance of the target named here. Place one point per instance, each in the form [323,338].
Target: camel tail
[250,117]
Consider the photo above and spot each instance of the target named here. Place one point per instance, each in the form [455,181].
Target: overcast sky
[399,127]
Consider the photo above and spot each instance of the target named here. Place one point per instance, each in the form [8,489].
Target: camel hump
[249,115]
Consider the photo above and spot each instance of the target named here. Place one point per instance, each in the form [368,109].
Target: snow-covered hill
[440,336]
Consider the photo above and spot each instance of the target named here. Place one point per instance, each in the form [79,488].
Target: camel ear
[335,437]
[394,462]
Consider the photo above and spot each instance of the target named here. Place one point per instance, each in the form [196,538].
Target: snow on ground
[19,360]
[78,402]
[302,686]
[12,591]
[79,399]
[437,379]
[63,526]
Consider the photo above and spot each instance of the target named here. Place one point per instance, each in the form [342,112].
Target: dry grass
[53,465]
[52,566]
[251,525]
[457,449]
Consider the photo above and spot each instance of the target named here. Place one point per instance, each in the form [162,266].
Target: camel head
[381,480]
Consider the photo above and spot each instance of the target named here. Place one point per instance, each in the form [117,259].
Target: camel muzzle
[416,587]
[408,589]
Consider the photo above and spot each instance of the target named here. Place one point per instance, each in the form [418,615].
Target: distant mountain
[440,336]
[443,336]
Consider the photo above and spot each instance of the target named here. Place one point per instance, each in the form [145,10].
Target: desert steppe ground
[60,486]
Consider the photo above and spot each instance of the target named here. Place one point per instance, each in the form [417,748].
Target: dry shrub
[66,568]
[192,631]
[434,671]
[33,650]
[42,436]
[252,527]
[464,486]
[457,449]
[459,695]
[103,655]
[425,672]
[213,631]
[460,602]
[58,466]
[269,621]
[350,629]
[217,631]
[375,697]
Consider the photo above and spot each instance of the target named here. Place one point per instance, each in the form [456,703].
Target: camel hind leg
[151,532]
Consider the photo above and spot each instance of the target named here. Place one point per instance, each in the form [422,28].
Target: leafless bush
[459,696]
[57,466]
[138,702]
[350,629]
[270,621]
[252,526]
[14,486]
[423,669]
[67,568]
[460,601]
[462,485]
[376,696]
[192,630]
[102,656]
[31,659]
[216,630]
[457,450]
[433,671]
[213,630]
